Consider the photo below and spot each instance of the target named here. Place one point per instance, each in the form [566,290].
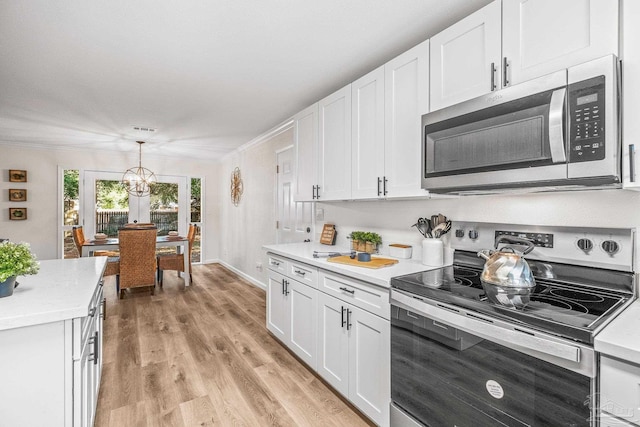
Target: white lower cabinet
[353,355]
[619,392]
[291,315]
[338,326]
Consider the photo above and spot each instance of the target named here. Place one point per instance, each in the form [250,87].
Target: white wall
[393,219]
[251,224]
[41,228]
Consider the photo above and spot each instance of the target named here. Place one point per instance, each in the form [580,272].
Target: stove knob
[585,244]
[473,234]
[610,247]
[459,232]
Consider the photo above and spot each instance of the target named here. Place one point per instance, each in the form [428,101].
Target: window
[70,210]
[196,218]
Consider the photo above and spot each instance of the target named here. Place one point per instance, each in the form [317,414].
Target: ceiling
[209,76]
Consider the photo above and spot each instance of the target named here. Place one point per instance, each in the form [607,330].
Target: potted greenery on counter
[365,241]
[16,259]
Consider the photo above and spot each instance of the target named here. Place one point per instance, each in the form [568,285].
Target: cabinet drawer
[620,389]
[363,295]
[303,273]
[277,263]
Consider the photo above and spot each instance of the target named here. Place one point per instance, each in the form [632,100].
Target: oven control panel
[542,240]
[589,246]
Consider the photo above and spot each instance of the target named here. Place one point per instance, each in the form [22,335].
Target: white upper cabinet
[387,106]
[406,100]
[543,36]
[511,41]
[305,128]
[334,142]
[465,58]
[367,135]
[631,99]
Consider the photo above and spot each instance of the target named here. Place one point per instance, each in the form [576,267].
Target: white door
[406,100]
[293,218]
[305,131]
[369,364]
[277,307]
[367,135]
[334,139]
[135,208]
[465,58]
[333,342]
[304,312]
[543,36]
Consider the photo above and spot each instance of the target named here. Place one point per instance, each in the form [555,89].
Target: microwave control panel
[586,120]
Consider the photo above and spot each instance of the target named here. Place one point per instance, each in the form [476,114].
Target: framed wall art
[16,175]
[17,213]
[17,195]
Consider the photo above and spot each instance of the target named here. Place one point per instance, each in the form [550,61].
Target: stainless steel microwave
[561,129]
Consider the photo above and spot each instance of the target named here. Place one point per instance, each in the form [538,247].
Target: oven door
[445,376]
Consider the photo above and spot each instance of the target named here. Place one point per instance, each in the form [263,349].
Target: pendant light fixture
[138,180]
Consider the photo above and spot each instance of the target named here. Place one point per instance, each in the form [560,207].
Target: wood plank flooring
[203,357]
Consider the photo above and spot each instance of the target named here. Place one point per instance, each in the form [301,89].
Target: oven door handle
[516,338]
[556,128]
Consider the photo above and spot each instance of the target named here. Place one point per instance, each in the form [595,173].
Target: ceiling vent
[144,129]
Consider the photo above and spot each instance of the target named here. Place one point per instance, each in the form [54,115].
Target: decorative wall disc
[236,186]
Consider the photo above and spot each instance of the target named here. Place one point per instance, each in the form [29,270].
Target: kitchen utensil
[506,278]
[441,229]
[435,220]
[317,254]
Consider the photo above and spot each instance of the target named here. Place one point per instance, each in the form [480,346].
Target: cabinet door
[333,342]
[304,312]
[465,58]
[305,130]
[334,170]
[631,95]
[277,307]
[406,100]
[620,389]
[367,135]
[542,36]
[369,364]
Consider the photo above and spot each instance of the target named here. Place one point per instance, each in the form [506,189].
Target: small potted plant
[16,259]
[365,241]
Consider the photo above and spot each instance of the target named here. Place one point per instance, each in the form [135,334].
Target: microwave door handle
[556,139]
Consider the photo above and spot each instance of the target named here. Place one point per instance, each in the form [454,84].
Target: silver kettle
[507,267]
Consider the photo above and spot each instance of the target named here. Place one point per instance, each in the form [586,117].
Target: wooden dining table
[179,242]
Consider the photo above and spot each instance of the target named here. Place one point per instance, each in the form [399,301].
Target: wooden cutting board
[375,262]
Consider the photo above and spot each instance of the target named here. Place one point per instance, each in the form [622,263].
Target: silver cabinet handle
[92,311]
[632,163]
[342,316]
[351,291]
[275,263]
[493,76]
[104,308]
[379,182]
[384,185]
[349,319]
[556,138]
[299,272]
[505,65]
[317,191]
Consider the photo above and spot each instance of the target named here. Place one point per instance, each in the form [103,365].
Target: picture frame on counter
[17,195]
[17,214]
[17,175]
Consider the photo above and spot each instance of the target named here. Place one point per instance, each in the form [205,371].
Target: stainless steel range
[458,359]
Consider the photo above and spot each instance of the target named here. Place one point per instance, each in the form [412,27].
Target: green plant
[366,236]
[16,259]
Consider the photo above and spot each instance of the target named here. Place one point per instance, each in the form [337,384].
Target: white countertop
[61,290]
[621,337]
[303,252]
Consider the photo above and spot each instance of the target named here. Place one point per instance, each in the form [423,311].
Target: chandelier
[138,180]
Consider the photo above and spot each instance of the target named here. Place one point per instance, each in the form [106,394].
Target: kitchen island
[51,345]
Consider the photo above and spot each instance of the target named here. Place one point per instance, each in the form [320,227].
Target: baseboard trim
[242,274]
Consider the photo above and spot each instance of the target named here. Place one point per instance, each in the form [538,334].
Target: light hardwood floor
[203,356]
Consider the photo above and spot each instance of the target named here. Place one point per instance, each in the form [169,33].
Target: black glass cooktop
[569,301]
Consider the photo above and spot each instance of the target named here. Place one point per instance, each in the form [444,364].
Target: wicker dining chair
[176,261]
[137,258]
[113,262]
